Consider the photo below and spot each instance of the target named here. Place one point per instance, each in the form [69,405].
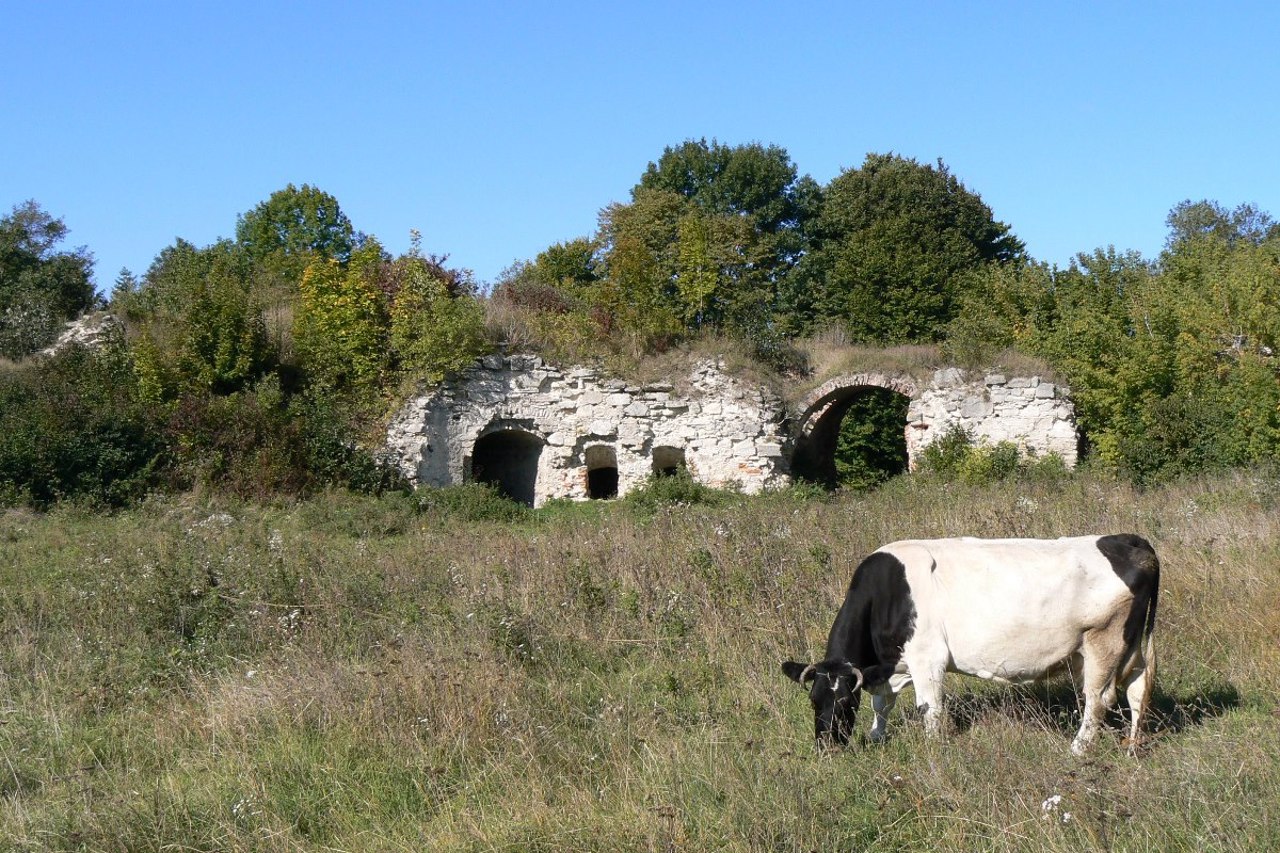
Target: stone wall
[559,426]
[543,432]
[1034,414]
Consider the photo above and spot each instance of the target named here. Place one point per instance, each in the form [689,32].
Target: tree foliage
[340,322]
[1172,365]
[294,226]
[436,324]
[892,245]
[40,286]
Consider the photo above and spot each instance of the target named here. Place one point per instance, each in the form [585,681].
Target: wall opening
[602,472]
[668,461]
[509,460]
[859,441]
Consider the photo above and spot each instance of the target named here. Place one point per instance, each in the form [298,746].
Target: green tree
[573,265]
[292,228]
[743,226]
[893,243]
[1207,219]
[40,286]
[198,320]
[637,295]
[224,342]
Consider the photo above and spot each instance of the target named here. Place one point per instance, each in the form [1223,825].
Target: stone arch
[668,461]
[823,410]
[602,472]
[508,458]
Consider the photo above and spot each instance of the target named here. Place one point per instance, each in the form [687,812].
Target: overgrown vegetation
[265,365]
[356,672]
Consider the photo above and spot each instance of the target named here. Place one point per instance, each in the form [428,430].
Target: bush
[679,489]
[471,502]
[954,457]
[254,444]
[73,427]
[944,457]
[989,464]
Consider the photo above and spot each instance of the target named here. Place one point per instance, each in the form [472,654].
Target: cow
[1009,610]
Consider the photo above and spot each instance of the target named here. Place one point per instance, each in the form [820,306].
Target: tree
[293,227]
[437,326]
[224,342]
[340,325]
[573,265]
[40,287]
[1190,220]
[199,322]
[637,295]
[741,230]
[892,246]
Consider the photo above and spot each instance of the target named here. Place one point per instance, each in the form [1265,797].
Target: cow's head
[835,690]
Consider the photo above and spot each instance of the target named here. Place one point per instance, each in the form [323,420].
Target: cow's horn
[804,674]
[858,673]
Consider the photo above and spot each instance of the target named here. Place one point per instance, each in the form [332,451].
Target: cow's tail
[1137,674]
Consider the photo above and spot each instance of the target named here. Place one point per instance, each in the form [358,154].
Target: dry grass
[349,674]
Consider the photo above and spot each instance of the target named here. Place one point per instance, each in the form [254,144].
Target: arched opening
[858,441]
[602,472]
[668,461]
[509,460]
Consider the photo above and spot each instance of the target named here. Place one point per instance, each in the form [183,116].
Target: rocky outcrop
[91,330]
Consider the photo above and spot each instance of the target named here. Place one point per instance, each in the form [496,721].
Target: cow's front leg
[881,704]
[929,701]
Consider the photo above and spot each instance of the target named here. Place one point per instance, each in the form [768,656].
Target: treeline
[255,366]
[262,364]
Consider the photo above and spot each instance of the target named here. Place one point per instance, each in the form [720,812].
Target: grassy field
[359,674]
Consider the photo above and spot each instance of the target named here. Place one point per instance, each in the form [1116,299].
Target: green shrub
[944,457]
[955,458]
[989,464]
[679,489]
[471,502]
[254,444]
[73,427]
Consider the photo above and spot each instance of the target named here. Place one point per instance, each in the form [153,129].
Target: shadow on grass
[1055,706]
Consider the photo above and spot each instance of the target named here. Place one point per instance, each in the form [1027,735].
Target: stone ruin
[540,432]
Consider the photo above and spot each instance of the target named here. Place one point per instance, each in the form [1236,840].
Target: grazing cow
[1013,610]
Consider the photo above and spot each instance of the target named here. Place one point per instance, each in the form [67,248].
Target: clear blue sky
[498,129]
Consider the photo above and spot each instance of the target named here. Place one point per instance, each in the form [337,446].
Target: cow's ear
[796,671]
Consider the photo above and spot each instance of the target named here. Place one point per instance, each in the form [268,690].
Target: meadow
[450,672]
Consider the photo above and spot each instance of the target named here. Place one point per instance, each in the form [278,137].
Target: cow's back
[1011,609]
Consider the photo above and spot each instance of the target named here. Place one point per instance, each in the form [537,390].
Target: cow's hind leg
[1101,655]
[1137,684]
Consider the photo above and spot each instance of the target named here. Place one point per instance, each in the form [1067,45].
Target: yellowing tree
[340,325]
[437,326]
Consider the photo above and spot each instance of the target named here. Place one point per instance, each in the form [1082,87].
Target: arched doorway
[667,461]
[602,472]
[509,460]
[856,439]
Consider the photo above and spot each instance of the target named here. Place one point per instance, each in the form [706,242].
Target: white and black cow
[1012,610]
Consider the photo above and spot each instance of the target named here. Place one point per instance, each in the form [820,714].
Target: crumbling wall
[571,433]
[725,433]
[1034,414]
